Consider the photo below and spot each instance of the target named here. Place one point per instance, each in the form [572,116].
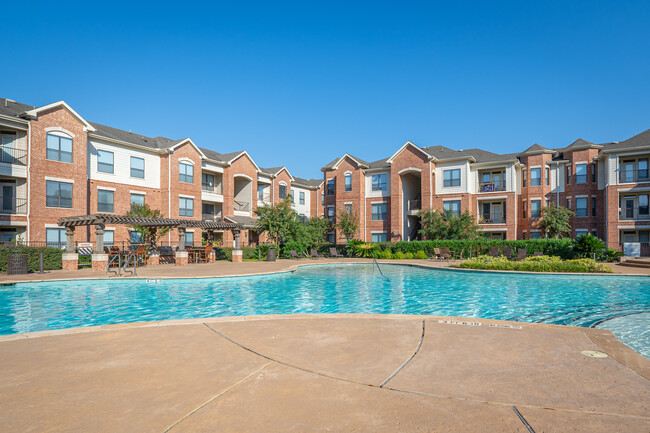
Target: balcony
[211,217]
[264,198]
[492,218]
[414,206]
[633,176]
[634,213]
[491,186]
[211,187]
[13,205]
[12,155]
[242,206]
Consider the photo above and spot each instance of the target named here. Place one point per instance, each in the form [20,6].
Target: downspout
[513,176]
[29,183]
[169,193]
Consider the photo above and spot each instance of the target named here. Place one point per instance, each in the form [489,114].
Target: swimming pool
[619,303]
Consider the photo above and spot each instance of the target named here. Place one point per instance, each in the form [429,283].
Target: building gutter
[29,182]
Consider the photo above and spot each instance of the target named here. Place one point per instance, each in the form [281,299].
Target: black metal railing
[414,205]
[13,205]
[211,187]
[634,175]
[211,217]
[12,155]
[492,218]
[634,213]
[491,186]
[242,206]
[266,198]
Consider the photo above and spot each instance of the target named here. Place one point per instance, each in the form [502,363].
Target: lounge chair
[294,254]
[334,253]
[436,254]
[494,251]
[522,253]
[458,256]
[445,253]
[315,255]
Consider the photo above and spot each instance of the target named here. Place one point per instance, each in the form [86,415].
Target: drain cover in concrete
[594,354]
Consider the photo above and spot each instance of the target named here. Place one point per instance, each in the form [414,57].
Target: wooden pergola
[153,224]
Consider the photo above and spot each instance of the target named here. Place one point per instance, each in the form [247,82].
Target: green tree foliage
[348,223]
[588,245]
[279,221]
[148,234]
[314,232]
[446,225]
[555,221]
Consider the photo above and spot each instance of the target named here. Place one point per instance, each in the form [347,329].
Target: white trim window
[535,176]
[379,212]
[452,206]
[348,182]
[282,191]
[451,177]
[105,161]
[105,201]
[302,197]
[137,167]
[185,207]
[58,194]
[137,199]
[379,237]
[185,172]
[379,182]
[59,148]
[581,203]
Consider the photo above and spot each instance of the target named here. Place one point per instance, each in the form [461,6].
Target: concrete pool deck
[296,373]
[229,269]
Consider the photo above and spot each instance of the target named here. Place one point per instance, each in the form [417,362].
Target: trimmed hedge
[51,257]
[535,264]
[550,247]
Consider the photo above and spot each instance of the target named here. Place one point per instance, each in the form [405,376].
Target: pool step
[637,263]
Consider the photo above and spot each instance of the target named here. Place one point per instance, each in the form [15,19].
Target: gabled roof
[381,163]
[34,113]
[334,164]
[580,144]
[109,132]
[444,153]
[640,140]
[536,149]
[308,183]
[274,171]
[244,221]
[12,108]
[406,145]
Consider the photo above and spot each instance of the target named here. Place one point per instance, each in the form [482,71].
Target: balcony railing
[211,187]
[491,186]
[414,205]
[13,205]
[211,217]
[13,156]
[266,198]
[634,213]
[492,218]
[242,206]
[634,175]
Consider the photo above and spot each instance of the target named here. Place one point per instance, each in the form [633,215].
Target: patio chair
[459,256]
[141,255]
[436,254]
[538,253]
[445,253]
[334,253]
[315,255]
[494,251]
[507,252]
[201,255]
[522,253]
[294,254]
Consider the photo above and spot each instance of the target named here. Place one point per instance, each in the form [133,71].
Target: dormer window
[59,148]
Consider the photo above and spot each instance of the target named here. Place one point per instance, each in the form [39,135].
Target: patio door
[628,205]
[497,212]
[8,198]
[628,171]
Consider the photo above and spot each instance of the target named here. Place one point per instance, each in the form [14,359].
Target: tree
[148,234]
[314,232]
[279,221]
[555,221]
[348,223]
[447,225]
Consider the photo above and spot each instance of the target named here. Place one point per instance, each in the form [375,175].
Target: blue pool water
[619,303]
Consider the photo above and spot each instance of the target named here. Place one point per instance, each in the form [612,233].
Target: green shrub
[398,255]
[261,250]
[420,255]
[408,256]
[385,254]
[536,264]
[611,255]
[363,249]
[298,247]
[51,257]
[588,245]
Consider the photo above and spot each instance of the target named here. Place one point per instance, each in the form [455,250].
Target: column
[70,259]
[237,256]
[182,258]
[153,255]
[99,257]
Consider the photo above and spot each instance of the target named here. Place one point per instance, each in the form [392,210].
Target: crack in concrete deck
[417,349]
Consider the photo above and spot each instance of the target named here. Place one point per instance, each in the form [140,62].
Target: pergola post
[153,257]
[99,257]
[237,256]
[70,259]
[182,258]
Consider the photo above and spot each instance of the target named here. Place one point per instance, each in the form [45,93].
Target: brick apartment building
[54,163]
[606,185]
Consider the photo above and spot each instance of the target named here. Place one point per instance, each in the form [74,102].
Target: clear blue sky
[299,84]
